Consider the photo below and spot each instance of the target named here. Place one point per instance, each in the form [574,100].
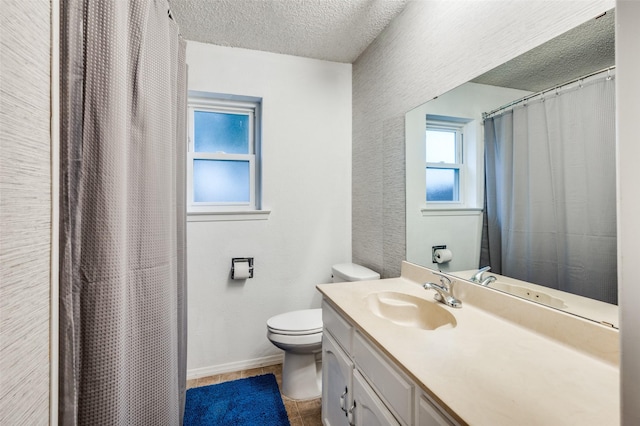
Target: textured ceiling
[333,30]
[585,49]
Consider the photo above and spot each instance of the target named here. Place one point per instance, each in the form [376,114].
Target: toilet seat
[302,343]
[296,323]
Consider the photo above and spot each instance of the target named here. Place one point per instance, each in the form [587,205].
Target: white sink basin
[529,294]
[410,311]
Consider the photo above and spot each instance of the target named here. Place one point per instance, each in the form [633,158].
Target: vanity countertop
[507,362]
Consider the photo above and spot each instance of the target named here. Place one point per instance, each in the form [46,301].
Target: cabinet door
[429,415]
[337,370]
[367,409]
[393,387]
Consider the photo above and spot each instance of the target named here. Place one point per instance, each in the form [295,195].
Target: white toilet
[299,334]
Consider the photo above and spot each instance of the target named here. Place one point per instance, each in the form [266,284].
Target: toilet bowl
[299,335]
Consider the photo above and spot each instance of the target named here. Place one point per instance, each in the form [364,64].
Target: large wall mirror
[516,170]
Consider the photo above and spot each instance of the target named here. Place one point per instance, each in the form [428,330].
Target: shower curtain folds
[550,198]
[122,243]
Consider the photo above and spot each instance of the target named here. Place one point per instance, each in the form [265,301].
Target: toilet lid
[307,321]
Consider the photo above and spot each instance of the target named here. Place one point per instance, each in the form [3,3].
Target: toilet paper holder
[235,260]
[434,249]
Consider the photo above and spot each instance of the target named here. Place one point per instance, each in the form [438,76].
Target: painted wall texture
[25,212]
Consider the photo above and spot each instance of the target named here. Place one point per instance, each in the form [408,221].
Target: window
[444,161]
[223,159]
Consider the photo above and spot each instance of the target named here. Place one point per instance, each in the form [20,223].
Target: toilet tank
[351,272]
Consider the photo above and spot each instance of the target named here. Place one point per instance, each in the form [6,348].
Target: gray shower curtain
[122,209]
[550,195]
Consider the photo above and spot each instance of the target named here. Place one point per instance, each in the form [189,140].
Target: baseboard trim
[197,373]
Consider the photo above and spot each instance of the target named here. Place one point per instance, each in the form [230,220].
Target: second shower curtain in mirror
[551,191]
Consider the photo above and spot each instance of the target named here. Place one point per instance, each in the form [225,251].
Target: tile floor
[301,413]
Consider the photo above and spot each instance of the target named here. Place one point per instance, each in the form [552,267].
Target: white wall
[306,146]
[628,111]
[460,230]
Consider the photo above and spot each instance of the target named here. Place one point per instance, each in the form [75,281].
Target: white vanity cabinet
[362,386]
[337,369]
[337,383]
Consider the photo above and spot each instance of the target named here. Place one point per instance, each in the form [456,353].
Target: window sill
[450,211]
[228,216]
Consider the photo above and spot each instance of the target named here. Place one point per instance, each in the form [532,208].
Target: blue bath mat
[254,401]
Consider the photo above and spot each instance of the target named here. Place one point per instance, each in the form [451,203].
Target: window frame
[458,128]
[226,104]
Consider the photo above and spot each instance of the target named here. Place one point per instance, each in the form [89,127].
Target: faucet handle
[442,294]
[438,290]
[490,279]
[477,277]
[443,278]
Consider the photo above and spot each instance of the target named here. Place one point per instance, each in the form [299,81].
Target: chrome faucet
[477,277]
[488,280]
[443,291]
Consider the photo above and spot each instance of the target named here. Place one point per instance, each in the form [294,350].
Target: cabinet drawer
[394,388]
[340,329]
